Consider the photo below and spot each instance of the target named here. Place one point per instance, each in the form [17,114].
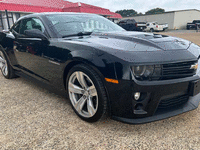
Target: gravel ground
[34,118]
[190,35]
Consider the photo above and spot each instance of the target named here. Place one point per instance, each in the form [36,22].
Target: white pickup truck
[154,26]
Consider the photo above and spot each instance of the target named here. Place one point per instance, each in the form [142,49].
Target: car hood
[136,41]
[138,46]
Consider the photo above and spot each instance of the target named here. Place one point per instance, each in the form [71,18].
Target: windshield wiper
[77,34]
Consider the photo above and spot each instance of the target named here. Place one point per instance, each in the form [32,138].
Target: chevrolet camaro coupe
[133,77]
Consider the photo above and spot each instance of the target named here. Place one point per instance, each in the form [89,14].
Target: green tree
[127,12]
[155,11]
[140,14]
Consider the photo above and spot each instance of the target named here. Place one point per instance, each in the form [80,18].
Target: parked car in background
[141,26]
[132,25]
[193,25]
[135,77]
[154,26]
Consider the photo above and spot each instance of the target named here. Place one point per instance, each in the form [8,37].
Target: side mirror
[35,33]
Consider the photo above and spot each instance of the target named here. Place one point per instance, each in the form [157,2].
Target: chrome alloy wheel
[83,94]
[3,64]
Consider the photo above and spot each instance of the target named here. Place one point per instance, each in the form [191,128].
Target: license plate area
[194,88]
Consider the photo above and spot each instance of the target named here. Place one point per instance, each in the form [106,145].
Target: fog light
[137,96]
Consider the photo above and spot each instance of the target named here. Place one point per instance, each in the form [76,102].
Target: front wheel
[5,67]
[86,93]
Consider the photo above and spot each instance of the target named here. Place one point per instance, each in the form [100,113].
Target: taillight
[136,24]
[156,26]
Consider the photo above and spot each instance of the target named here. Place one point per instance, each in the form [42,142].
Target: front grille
[173,102]
[178,70]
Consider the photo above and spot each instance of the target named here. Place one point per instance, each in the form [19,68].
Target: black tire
[101,92]
[151,30]
[10,74]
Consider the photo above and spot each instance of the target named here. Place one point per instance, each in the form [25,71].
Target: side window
[37,24]
[129,21]
[30,24]
[25,25]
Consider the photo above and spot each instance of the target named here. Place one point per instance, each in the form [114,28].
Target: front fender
[99,61]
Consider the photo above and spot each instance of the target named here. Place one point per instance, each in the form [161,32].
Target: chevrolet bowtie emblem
[195,66]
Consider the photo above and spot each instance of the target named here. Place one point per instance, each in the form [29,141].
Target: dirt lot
[34,118]
[190,35]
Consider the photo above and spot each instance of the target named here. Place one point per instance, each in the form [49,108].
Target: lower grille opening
[173,102]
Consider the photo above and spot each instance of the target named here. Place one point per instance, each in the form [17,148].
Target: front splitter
[192,104]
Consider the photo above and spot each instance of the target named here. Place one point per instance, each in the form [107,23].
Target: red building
[17,8]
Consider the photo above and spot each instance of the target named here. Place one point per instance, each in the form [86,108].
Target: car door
[154,26]
[29,51]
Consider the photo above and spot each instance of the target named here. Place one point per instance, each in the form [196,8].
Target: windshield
[68,24]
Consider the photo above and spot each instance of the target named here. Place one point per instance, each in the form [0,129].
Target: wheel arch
[75,62]
[5,53]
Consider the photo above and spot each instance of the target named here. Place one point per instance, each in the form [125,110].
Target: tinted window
[30,24]
[129,21]
[37,24]
[25,25]
[196,21]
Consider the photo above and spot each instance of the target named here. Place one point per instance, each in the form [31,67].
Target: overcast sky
[143,5]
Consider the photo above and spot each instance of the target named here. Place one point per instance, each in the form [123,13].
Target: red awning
[115,16]
[54,6]
[85,8]
[27,8]
[42,3]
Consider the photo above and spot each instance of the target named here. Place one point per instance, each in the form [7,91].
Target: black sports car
[135,77]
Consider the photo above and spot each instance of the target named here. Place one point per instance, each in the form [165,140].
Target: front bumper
[192,104]
[122,104]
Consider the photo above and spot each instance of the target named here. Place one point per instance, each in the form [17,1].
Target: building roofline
[164,13]
[182,10]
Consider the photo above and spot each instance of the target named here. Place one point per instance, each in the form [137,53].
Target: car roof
[54,13]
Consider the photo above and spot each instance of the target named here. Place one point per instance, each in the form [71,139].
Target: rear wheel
[6,69]
[86,93]
[151,30]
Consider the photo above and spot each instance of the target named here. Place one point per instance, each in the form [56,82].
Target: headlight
[148,72]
